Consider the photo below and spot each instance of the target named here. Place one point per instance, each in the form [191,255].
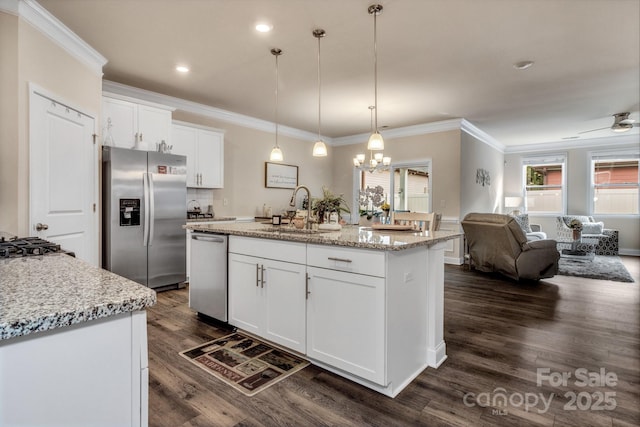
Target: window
[411,185]
[544,184]
[615,183]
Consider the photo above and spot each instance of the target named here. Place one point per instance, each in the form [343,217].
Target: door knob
[41,227]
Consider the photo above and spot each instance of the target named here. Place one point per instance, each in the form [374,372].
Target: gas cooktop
[28,246]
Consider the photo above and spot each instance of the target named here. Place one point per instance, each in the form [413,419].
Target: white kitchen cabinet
[135,125]
[204,149]
[267,296]
[346,322]
[93,373]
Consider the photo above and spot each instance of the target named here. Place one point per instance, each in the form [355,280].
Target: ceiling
[437,60]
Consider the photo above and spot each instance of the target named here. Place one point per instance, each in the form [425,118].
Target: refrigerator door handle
[152,215]
[145,230]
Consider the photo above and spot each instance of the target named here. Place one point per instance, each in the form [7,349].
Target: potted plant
[329,203]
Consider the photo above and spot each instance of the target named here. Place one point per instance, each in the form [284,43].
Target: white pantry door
[62,177]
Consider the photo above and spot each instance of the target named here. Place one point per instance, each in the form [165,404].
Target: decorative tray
[395,227]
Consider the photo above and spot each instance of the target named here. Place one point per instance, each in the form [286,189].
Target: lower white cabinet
[374,317]
[267,298]
[88,374]
[346,322]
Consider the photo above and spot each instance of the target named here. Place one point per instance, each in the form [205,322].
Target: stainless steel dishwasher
[208,276]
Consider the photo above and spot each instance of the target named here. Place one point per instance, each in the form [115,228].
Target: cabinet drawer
[292,252]
[362,261]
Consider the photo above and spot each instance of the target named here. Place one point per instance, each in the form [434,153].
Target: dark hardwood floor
[498,334]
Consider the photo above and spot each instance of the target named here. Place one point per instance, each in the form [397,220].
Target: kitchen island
[73,344]
[366,304]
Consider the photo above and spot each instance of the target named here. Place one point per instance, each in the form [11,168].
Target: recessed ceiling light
[182,69]
[522,65]
[264,28]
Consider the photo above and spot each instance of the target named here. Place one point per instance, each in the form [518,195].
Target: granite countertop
[39,293]
[350,235]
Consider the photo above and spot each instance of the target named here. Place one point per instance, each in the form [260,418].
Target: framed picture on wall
[277,175]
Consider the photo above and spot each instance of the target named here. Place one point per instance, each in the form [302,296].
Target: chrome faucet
[292,202]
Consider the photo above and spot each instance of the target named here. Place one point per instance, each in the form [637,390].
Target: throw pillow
[523,222]
[592,227]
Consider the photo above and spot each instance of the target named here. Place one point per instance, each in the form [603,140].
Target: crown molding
[607,141]
[442,126]
[111,88]
[482,136]
[56,31]
[207,111]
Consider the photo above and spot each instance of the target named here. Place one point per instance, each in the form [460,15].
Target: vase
[577,235]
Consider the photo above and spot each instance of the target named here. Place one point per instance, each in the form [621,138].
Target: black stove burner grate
[27,246]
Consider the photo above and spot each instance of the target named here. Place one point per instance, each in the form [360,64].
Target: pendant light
[319,148]
[377,162]
[375,140]
[276,152]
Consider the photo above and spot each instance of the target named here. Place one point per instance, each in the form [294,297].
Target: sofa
[607,238]
[497,243]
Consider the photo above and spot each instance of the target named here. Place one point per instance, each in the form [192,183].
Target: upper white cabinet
[204,148]
[130,124]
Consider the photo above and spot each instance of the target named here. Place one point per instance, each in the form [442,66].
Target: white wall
[474,155]
[245,153]
[578,186]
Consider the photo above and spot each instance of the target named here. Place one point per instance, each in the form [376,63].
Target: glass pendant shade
[375,142]
[319,149]
[276,155]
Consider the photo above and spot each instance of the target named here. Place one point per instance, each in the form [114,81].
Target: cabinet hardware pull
[306,286]
[262,268]
[338,259]
[257,275]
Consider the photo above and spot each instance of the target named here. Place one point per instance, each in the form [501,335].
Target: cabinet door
[284,322]
[211,159]
[346,322]
[124,121]
[245,293]
[154,126]
[184,140]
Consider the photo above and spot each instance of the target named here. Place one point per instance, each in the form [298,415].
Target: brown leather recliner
[497,244]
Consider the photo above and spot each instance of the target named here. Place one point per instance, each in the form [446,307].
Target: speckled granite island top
[350,235]
[39,293]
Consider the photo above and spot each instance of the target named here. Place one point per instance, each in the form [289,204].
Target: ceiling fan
[621,123]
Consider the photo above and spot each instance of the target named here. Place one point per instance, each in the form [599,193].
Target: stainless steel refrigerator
[144,197]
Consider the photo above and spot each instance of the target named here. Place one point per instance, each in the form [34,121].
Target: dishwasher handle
[204,238]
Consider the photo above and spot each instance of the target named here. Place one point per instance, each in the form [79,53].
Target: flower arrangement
[370,200]
[575,224]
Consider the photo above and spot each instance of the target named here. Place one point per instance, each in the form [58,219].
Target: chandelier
[377,161]
[276,152]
